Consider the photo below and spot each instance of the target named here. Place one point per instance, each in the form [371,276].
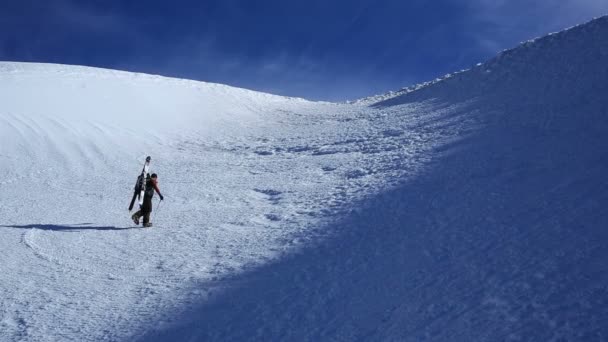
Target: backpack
[149,189]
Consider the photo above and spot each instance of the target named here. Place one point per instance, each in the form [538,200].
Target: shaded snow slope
[502,237]
[472,209]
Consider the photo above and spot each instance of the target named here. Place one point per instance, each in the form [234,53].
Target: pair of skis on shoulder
[140,185]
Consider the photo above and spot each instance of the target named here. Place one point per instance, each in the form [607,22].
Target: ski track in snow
[469,209]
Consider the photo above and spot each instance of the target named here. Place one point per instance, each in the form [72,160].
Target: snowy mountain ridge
[523,46]
[62,69]
[470,209]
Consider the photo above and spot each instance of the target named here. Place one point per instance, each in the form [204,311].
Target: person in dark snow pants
[146,207]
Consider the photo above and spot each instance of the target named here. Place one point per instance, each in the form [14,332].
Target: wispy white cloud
[506,23]
[555,12]
[73,14]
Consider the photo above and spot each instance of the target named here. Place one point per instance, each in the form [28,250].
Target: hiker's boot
[135,218]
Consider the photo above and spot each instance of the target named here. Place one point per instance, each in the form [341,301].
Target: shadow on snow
[65,228]
[503,237]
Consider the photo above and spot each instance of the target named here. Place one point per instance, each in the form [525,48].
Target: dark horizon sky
[321,50]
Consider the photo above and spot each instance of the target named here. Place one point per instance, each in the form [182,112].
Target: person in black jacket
[146,207]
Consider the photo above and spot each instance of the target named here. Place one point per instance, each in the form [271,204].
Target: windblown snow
[473,208]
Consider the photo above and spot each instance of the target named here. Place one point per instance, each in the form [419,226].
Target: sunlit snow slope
[470,209]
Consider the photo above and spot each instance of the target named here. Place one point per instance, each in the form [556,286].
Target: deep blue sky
[318,49]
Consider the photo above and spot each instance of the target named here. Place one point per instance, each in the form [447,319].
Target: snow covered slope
[470,209]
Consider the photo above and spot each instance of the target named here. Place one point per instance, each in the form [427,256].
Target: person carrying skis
[146,207]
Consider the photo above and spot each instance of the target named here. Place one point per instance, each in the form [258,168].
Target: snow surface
[468,209]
